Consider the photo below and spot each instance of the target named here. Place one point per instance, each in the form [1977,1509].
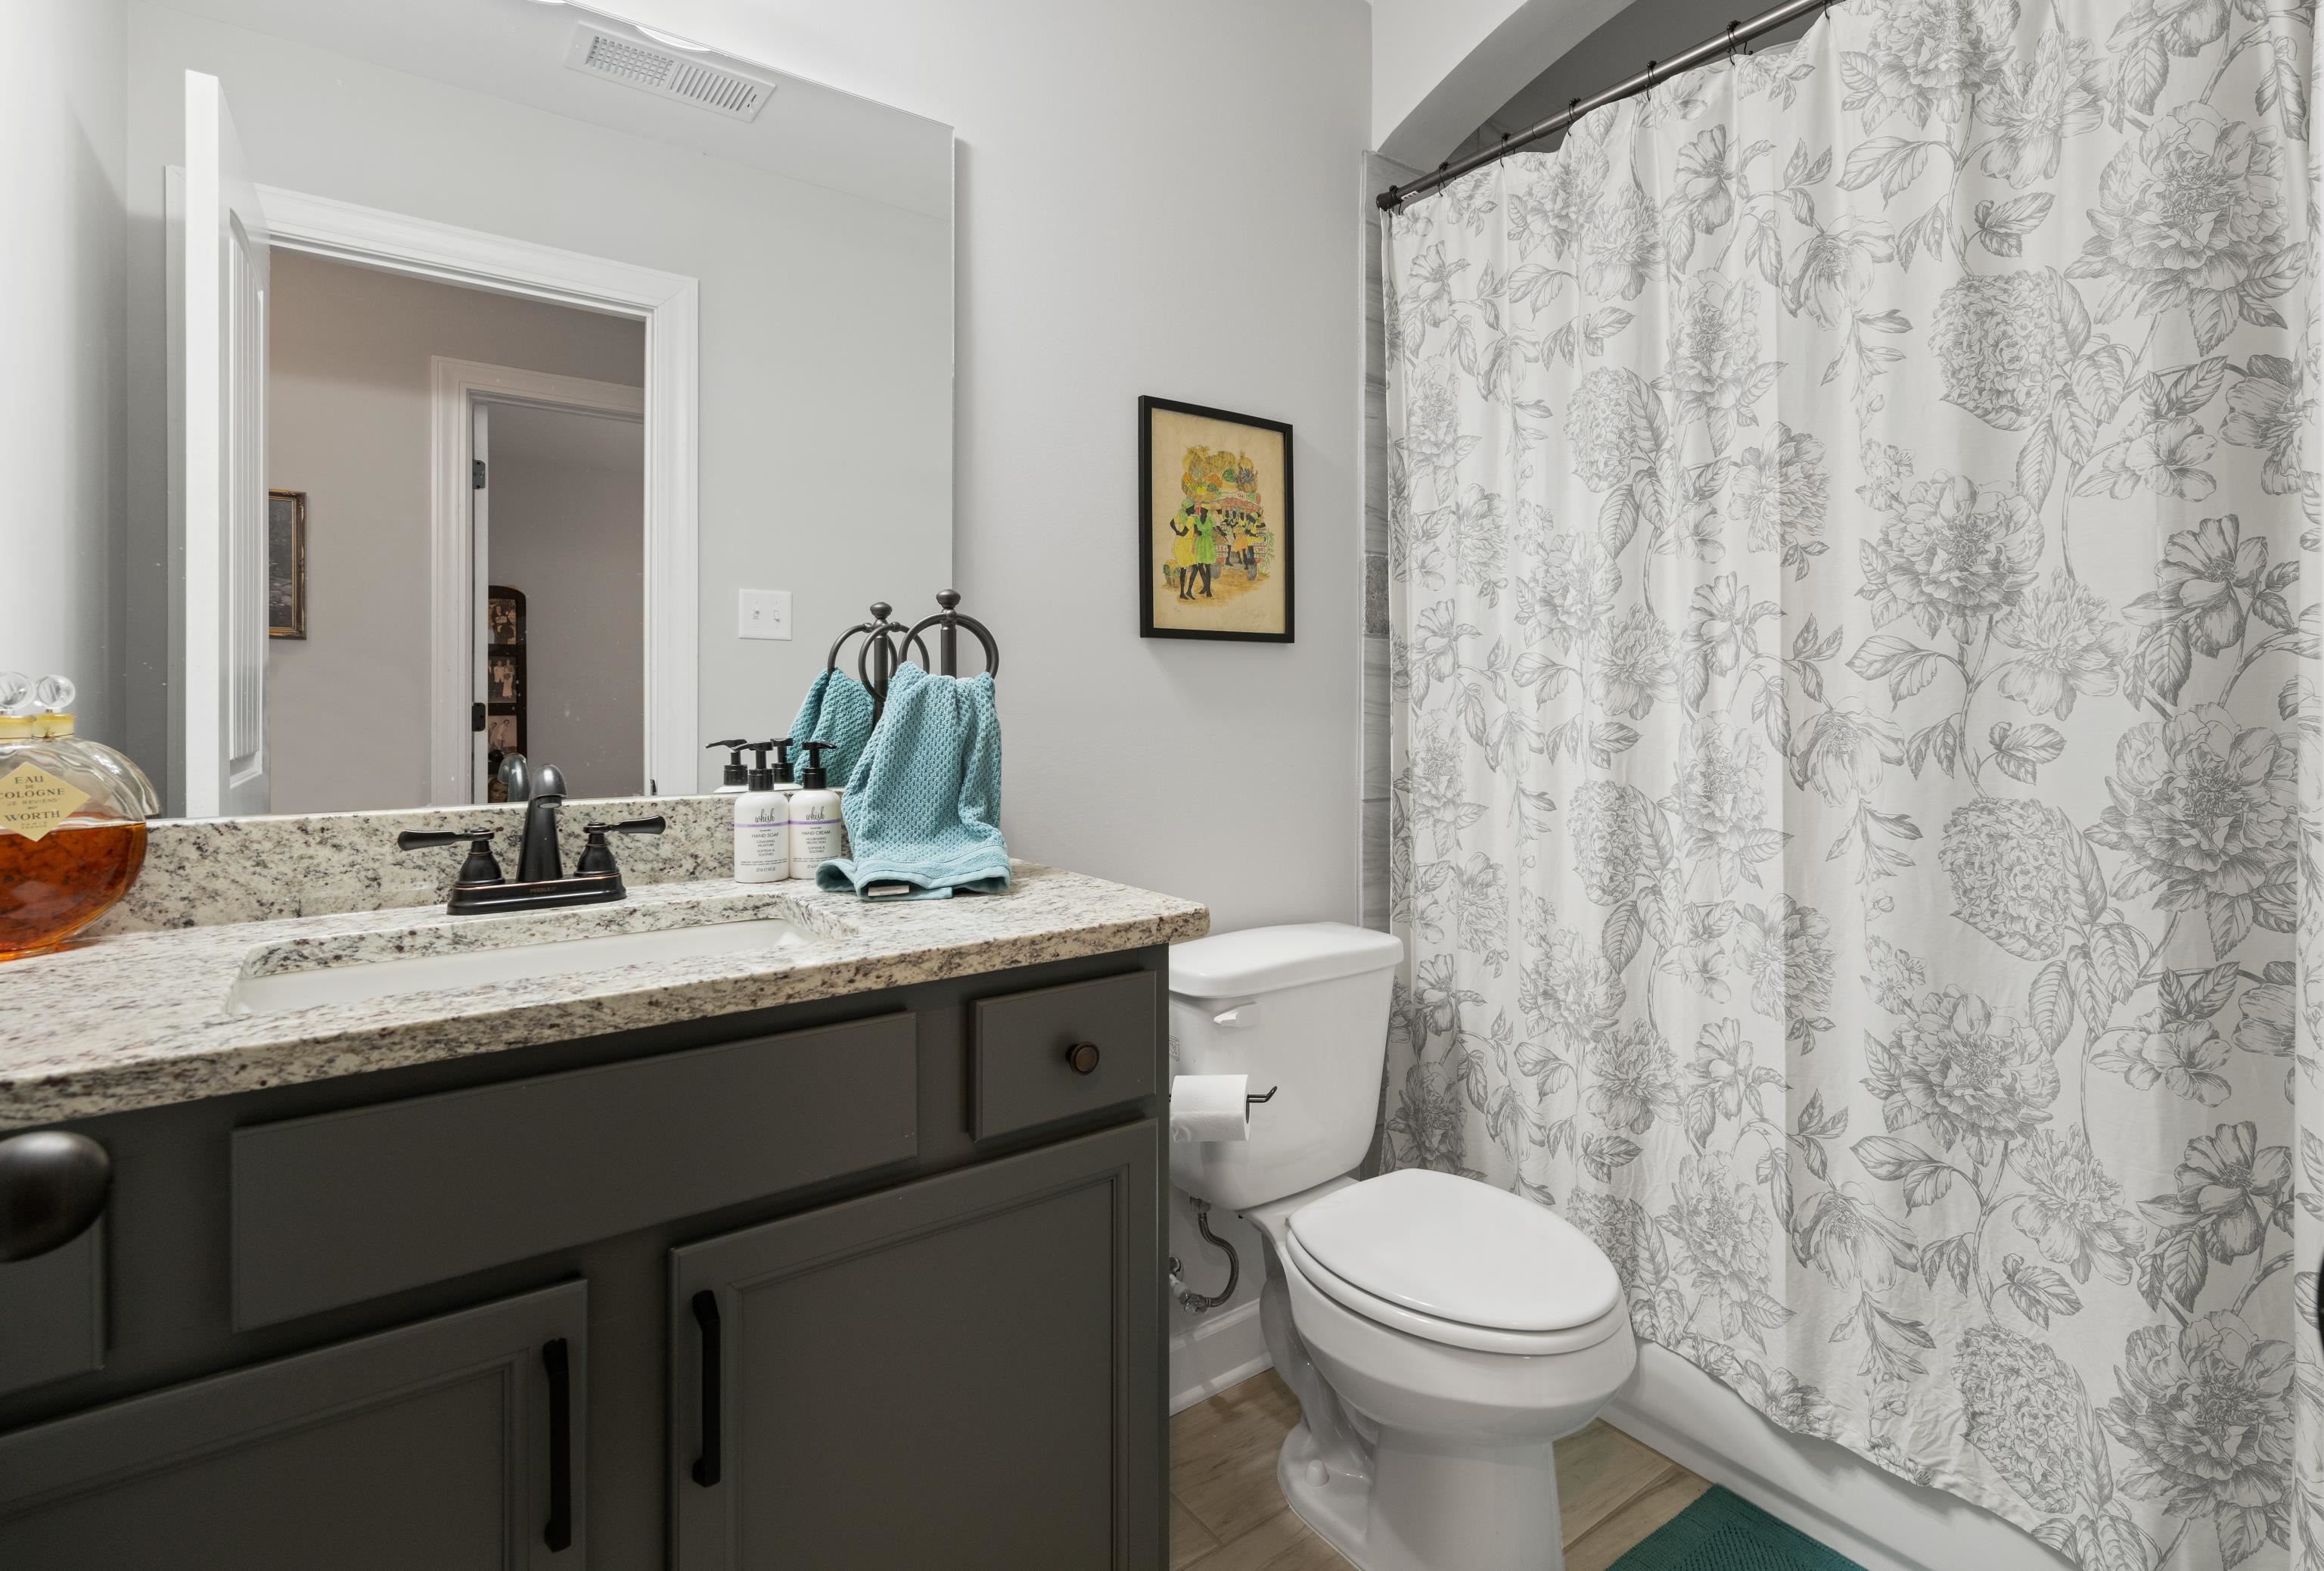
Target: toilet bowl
[1439,1333]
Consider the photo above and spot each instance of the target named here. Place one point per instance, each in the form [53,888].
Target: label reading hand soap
[33,801]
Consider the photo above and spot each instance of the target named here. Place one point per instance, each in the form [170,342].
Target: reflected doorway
[559,504]
[359,363]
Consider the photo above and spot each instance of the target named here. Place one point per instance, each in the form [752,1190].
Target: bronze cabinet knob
[1082,1057]
[53,1186]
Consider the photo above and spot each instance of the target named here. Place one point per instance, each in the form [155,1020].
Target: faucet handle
[478,868]
[596,856]
[653,825]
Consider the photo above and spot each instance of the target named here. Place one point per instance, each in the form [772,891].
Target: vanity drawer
[349,1205]
[1024,1072]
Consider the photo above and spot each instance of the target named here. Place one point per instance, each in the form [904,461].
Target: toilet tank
[1300,1009]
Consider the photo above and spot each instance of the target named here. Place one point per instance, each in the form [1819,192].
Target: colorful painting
[1214,522]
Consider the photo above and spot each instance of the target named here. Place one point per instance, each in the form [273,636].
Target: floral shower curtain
[1855,742]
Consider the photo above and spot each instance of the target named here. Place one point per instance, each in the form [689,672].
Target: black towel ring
[949,622]
[881,653]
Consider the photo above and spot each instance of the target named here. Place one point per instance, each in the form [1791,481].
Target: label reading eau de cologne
[33,801]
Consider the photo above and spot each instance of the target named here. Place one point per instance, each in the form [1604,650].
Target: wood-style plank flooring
[1226,1513]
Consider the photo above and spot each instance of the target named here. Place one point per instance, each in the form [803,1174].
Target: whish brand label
[33,801]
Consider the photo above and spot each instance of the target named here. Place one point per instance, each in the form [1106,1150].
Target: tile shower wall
[1379,174]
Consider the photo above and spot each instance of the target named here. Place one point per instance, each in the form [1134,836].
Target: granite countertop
[144,1019]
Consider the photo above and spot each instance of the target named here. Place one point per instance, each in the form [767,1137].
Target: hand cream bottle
[817,835]
[762,825]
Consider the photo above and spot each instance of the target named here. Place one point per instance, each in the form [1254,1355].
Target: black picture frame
[1147,407]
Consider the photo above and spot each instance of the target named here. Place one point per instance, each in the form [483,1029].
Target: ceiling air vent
[666,72]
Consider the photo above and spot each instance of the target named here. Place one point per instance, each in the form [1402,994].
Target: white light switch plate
[764,613]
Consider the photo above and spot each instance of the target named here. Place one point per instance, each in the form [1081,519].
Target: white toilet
[1439,1333]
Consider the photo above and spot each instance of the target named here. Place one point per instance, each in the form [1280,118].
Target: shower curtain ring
[1732,42]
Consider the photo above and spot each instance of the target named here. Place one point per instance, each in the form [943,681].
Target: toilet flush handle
[1241,1014]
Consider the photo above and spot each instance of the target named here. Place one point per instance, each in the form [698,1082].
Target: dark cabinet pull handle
[558,1533]
[706,1316]
[53,1185]
[1082,1057]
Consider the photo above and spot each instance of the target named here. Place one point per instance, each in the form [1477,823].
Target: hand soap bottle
[737,778]
[817,835]
[761,825]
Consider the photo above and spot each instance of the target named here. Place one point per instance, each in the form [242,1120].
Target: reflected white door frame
[669,304]
[459,393]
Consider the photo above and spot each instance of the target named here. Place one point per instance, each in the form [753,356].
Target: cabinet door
[454,1444]
[965,1372]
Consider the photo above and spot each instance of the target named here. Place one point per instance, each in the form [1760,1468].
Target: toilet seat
[1452,1248]
[1449,1332]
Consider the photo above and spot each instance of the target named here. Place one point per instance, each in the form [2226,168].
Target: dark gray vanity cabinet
[450,1444]
[865,1281]
[942,1375]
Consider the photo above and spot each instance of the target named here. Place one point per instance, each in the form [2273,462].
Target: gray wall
[347,422]
[826,326]
[63,252]
[1084,132]
[567,528]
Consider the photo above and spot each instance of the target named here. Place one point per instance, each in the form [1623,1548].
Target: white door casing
[480,572]
[461,392]
[218,299]
[669,303]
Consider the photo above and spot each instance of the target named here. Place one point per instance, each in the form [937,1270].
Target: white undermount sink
[354,981]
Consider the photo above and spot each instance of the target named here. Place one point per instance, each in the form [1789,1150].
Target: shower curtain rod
[1737,34]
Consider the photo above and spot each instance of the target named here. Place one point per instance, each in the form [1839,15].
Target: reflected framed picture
[1214,524]
[286,564]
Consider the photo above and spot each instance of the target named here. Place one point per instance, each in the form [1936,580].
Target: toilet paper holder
[1250,1102]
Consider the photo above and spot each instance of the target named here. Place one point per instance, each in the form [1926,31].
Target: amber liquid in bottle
[52,887]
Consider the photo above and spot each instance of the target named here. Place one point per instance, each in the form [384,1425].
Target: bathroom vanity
[838,1246]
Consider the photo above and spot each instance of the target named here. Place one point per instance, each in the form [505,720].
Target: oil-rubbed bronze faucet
[537,860]
[541,878]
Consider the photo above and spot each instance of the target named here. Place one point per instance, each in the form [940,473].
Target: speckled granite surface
[141,1019]
[204,871]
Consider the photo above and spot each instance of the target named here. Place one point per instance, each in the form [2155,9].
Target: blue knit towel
[923,807]
[837,710]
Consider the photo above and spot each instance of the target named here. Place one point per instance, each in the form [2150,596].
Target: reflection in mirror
[481,357]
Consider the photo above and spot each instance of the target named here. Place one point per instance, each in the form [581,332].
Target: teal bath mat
[1724,1532]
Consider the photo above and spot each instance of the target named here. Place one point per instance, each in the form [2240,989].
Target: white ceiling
[515,50]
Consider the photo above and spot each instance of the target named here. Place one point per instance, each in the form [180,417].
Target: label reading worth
[33,801]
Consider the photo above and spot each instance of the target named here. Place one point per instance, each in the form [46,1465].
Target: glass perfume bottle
[73,819]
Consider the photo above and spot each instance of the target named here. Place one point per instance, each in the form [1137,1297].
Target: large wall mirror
[503,376]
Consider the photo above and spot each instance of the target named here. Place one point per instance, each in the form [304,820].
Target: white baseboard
[1824,1490]
[1224,1350]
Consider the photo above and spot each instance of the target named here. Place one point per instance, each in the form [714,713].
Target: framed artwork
[1214,535]
[505,705]
[286,564]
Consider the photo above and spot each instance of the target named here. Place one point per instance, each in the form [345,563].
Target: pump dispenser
[818,836]
[736,778]
[761,822]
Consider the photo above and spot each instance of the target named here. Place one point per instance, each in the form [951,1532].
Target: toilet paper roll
[1209,1108]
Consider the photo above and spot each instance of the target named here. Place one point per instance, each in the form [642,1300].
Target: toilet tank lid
[1459,1250]
[1263,959]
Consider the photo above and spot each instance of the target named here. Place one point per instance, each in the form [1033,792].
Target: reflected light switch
[764,613]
